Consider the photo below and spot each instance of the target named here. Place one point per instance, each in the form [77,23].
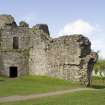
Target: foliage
[23,24]
[100,68]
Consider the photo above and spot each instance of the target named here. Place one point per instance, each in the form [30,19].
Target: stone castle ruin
[31,51]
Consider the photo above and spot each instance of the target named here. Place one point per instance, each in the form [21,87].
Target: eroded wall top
[7,20]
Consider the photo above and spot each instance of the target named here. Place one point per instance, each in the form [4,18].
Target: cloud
[78,27]
[93,32]
[98,45]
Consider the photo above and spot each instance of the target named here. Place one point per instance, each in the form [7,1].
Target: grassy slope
[96,97]
[32,84]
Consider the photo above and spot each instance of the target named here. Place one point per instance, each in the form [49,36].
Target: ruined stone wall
[38,56]
[30,56]
[13,59]
[10,57]
[8,34]
[64,56]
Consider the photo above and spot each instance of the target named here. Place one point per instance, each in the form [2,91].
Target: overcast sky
[85,17]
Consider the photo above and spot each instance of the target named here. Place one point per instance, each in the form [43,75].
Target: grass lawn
[45,84]
[96,97]
[33,84]
[98,83]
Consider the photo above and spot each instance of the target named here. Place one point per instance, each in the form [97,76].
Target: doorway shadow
[13,73]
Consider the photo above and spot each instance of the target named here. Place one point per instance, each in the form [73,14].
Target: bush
[23,24]
[100,68]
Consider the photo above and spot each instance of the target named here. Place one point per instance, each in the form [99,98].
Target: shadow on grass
[1,80]
[98,86]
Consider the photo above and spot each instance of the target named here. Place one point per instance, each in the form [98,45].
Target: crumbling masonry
[31,51]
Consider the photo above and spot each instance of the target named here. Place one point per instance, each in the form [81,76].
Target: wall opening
[13,72]
[15,42]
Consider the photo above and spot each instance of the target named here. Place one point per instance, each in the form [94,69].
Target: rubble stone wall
[13,59]
[67,57]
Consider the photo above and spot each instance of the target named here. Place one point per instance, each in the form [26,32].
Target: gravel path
[35,96]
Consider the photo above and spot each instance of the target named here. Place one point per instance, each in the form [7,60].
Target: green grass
[98,83]
[96,97]
[33,84]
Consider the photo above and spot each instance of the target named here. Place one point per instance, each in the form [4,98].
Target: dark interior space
[15,42]
[13,72]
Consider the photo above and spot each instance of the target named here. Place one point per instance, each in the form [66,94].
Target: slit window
[15,42]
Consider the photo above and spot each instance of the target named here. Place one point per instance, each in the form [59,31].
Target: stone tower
[31,51]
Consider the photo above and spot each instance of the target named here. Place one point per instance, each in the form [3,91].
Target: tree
[100,68]
[23,24]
